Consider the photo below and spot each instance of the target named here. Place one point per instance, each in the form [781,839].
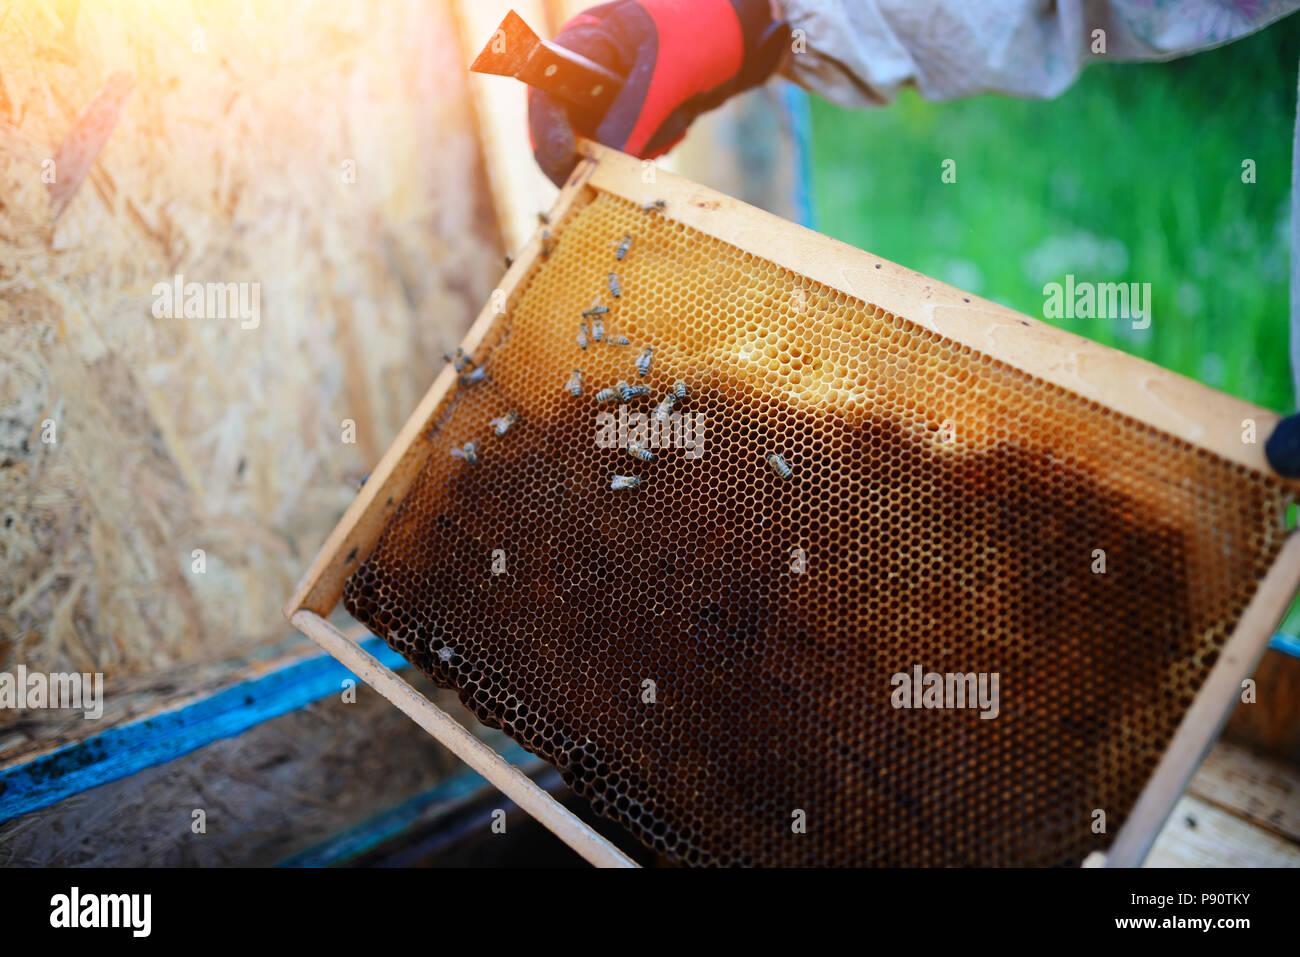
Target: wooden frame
[1130,386]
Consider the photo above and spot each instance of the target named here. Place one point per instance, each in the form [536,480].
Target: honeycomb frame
[1114,386]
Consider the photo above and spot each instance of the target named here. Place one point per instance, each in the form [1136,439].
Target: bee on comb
[458,361]
[779,465]
[501,425]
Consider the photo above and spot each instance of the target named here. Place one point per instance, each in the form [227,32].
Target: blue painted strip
[800,115]
[122,751]
[369,834]
[1287,644]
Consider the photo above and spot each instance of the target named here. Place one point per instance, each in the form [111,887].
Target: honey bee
[638,390]
[547,245]
[679,389]
[582,335]
[574,386]
[643,362]
[623,390]
[597,329]
[654,206]
[624,245]
[544,219]
[619,341]
[468,452]
[596,309]
[501,425]
[606,395]
[665,407]
[510,260]
[779,465]
[640,452]
[445,654]
[625,481]
[477,375]
[458,361]
[615,289]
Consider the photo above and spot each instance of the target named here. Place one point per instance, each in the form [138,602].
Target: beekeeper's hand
[680,58]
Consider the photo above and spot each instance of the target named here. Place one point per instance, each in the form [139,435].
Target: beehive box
[713,655]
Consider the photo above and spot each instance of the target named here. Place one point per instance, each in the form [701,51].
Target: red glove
[680,58]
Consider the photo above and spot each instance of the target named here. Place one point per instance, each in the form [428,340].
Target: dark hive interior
[947,509]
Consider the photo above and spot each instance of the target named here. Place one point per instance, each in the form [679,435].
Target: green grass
[1133,175]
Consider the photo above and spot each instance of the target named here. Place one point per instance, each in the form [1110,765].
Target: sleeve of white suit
[859,53]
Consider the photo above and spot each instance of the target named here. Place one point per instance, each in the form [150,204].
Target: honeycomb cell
[707,655]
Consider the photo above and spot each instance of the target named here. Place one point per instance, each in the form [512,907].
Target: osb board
[229,162]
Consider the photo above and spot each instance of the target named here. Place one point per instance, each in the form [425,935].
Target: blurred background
[164,481]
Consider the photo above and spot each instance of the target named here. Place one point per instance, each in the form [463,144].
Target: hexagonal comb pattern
[946,509]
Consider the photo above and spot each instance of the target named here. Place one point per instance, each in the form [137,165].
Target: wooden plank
[1201,835]
[509,780]
[42,780]
[1204,719]
[277,789]
[1264,792]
